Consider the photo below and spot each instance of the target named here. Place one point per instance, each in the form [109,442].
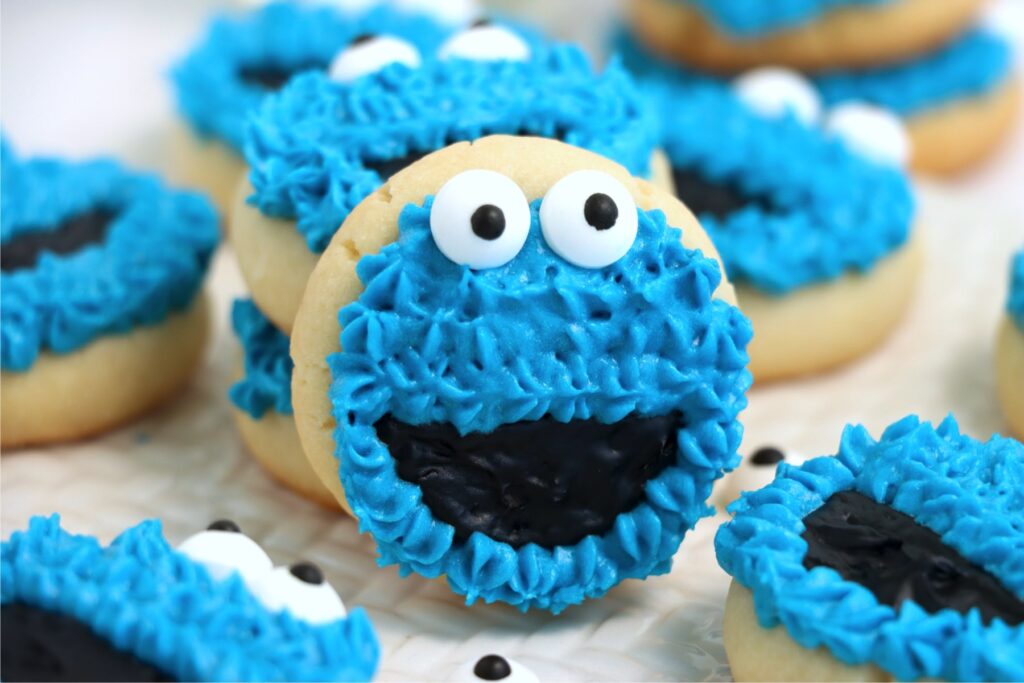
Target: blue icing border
[150,265]
[308,145]
[750,19]
[267,384]
[1015,303]
[970,493]
[147,599]
[216,101]
[496,346]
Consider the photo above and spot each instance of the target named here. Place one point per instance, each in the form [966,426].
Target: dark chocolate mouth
[706,197]
[72,235]
[545,482]
[273,77]
[898,559]
[39,645]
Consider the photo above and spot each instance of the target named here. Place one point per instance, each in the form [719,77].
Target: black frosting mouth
[545,482]
[73,234]
[706,197]
[273,77]
[898,559]
[39,645]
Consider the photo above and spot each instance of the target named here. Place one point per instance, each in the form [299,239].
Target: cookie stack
[934,64]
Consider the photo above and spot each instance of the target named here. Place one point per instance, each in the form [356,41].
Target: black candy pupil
[481,23]
[488,222]
[361,38]
[492,668]
[600,211]
[767,456]
[307,572]
[224,525]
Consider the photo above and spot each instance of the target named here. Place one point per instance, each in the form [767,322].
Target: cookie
[728,36]
[755,471]
[1010,351]
[262,398]
[326,142]
[894,559]
[100,296]
[212,609]
[242,58]
[501,303]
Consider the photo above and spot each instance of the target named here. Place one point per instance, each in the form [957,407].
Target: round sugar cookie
[1010,351]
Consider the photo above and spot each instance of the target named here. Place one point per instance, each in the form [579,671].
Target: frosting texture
[150,263]
[214,96]
[532,338]
[969,493]
[747,19]
[157,604]
[267,384]
[1015,305]
[312,147]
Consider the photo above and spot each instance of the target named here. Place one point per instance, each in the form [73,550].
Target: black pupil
[361,38]
[481,23]
[307,572]
[488,222]
[767,456]
[600,211]
[492,668]
[224,525]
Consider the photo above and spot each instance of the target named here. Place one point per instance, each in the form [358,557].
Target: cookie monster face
[534,393]
[215,609]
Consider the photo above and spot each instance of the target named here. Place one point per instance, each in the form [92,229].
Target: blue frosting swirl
[150,264]
[308,146]
[747,19]
[970,493]
[1015,304]
[529,339]
[215,99]
[267,384]
[157,604]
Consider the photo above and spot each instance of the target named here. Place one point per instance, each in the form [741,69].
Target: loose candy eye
[451,12]
[486,43]
[367,54]
[871,131]
[772,91]
[302,591]
[223,549]
[495,668]
[589,218]
[480,219]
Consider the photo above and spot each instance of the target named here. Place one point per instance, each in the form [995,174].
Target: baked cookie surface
[1010,350]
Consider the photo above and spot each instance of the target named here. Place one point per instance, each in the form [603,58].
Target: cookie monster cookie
[1010,351]
[101,310]
[262,397]
[214,609]
[327,141]
[243,57]
[894,559]
[727,36]
[497,305]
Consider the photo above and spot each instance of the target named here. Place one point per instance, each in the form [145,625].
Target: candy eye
[874,133]
[480,219]
[767,456]
[486,42]
[495,668]
[589,219]
[300,590]
[223,549]
[368,53]
[774,91]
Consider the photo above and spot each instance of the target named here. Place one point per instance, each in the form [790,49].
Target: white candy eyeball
[755,472]
[480,219]
[772,91]
[872,132]
[451,12]
[494,668]
[223,549]
[301,590]
[485,42]
[589,218]
[367,54]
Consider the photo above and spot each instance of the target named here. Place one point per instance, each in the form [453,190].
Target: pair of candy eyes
[371,53]
[481,219]
[871,131]
[300,589]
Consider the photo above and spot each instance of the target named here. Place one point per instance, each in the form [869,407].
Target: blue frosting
[970,493]
[213,97]
[1015,305]
[519,342]
[157,604]
[267,384]
[151,263]
[748,18]
[308,145]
